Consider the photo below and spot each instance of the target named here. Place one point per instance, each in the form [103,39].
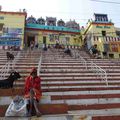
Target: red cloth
[35,84]
[34,70]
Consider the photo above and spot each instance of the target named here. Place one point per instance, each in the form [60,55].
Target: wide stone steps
[70,85]
[23,66]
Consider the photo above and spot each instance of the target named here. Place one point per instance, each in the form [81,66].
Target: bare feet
[28,114]
[38,114]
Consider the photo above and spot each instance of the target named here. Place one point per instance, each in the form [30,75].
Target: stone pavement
[50,117]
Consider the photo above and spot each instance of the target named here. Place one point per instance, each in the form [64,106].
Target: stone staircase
[68,87]
[26,61]
[67,81]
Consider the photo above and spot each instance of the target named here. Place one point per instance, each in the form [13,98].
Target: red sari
[34,84]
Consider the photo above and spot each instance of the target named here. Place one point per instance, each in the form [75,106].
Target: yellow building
[102,32]
[12,25]
[47,32]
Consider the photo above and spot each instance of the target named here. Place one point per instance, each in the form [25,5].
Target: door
[30,39]
[44,39]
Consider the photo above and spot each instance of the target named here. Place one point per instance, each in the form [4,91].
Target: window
[1,27]
[103,33]
[111,55]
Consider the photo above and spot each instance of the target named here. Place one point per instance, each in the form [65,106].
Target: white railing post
[15,60]
[6,68]
[76,55]
[99,72]
[39,65]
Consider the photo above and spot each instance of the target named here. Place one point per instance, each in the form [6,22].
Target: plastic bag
[17,107]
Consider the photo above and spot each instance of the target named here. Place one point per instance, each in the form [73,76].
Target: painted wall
[14,24]
[95,29]
[53,36]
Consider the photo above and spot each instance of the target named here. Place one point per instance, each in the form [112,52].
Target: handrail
[99,71]
[77,55]
[39,65]
[95,68]
[15,60]
[83,61]
[6,68]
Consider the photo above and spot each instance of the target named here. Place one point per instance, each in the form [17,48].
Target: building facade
[50,31]
[102,32]
[12,26]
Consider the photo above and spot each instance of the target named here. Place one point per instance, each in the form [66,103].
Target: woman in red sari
[33,92]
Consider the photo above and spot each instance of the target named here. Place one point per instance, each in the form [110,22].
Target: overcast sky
[80,10]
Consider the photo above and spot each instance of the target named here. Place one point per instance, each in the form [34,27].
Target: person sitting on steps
[68,51]
[94,50]
[33,93]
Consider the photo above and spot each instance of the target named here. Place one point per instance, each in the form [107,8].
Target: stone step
[69,77]
[80,88]
[6,100]
[110,117]
[90,92]
[78,78]
[80,71]
[88,101]
[83,78]
[103,114]
[94,106]
[20,91]
[73,84]
[75,65]
[63,62]
[70,69]
[11,92]
[65,70]
[68,85]
[70,82]
[58,59]
[44,109]
[87,97]
[76,74]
